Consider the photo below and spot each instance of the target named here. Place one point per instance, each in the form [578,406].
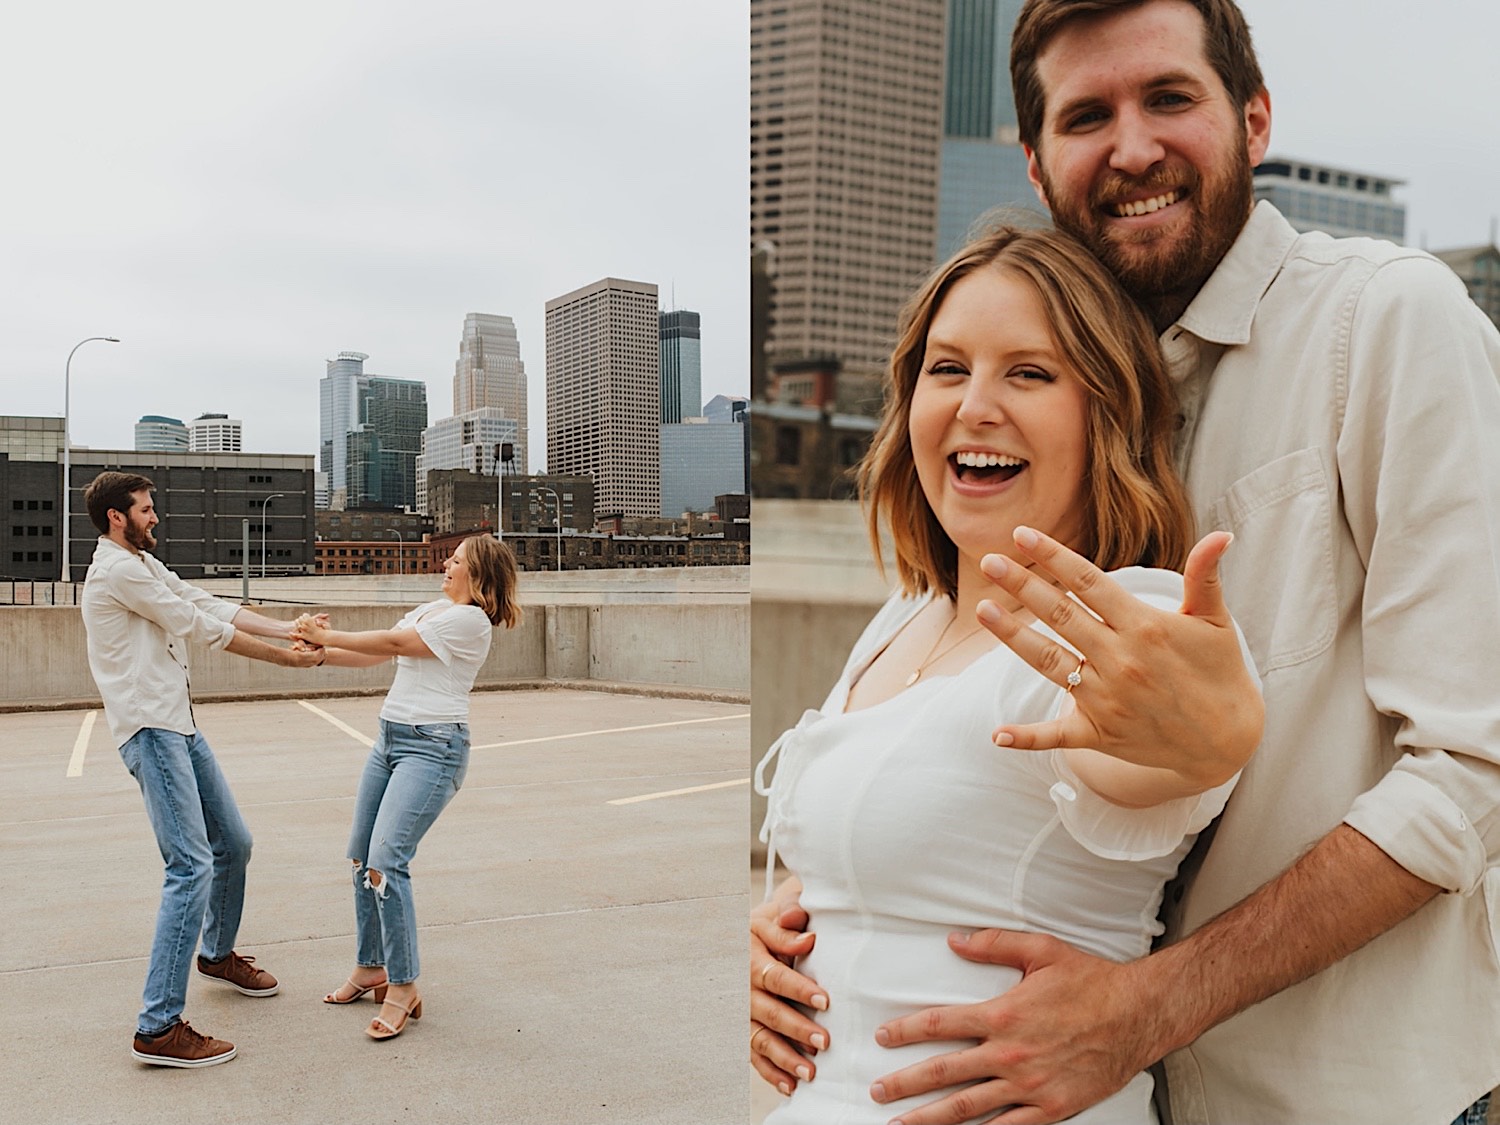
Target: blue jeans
[206,847]
[411,775]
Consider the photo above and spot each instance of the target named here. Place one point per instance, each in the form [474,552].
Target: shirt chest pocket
[1279,574]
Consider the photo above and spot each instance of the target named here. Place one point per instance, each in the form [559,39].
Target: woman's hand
[312,628]
[782,1039]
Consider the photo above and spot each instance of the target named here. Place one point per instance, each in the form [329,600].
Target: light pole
[400,544]
[263,504]
[499,493]
[67,459]
[557,508]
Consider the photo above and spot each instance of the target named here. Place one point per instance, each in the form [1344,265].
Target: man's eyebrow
[1159,82]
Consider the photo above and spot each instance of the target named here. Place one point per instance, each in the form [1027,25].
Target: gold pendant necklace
[930,659]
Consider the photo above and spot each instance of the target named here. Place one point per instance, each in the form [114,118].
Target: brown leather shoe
[241,973]
[180,1045]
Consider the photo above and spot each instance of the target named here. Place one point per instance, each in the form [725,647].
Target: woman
[1026,390]
[417,763]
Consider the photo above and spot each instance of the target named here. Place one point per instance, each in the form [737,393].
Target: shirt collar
[1224,308]
[108,544]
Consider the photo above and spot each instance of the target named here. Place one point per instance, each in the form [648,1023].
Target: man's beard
[139,537]
[1163,273]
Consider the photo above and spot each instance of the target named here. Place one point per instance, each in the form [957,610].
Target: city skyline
[367,180]
[352,177]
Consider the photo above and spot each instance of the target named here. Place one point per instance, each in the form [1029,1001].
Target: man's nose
[1137,146]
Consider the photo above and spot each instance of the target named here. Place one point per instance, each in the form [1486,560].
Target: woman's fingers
[779,1016]
[776,1060]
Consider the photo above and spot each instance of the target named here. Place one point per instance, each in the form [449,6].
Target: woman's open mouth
[972,467]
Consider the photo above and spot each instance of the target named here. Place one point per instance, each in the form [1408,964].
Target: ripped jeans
[411,775]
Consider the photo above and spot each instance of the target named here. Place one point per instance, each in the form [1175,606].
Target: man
[140,617]
[1333,957]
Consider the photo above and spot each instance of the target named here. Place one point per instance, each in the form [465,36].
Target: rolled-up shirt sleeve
[146,593]
[1420,466]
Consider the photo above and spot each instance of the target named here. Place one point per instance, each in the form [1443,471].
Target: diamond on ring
[1075,677]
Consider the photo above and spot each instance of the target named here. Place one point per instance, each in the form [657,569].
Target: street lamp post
[67,459]
[400,545]
[263,505]
[499,493]
[557,508]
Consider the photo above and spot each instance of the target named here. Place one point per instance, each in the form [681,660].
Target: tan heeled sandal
[381,1028]
[360,992]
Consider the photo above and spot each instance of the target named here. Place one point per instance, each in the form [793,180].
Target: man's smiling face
[1141,153]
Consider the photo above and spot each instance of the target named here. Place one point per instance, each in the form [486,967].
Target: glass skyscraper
[157,431]
[984,166]
[681,366]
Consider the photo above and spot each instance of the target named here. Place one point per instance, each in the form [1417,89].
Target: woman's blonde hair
[492,579]
[1137,512]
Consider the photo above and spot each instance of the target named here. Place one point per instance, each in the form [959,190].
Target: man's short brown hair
[1226,46]
[111,490]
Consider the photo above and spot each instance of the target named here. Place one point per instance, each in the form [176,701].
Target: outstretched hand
[1071,1032]
[1157,688]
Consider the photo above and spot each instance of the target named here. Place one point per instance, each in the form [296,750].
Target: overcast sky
[1395,87]
[240,193]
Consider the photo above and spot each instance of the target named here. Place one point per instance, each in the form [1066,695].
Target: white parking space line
[81,745]
[343,726]
[679,792]
[610,730]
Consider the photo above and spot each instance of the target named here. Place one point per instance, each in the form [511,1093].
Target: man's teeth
[1146,206]
[987,460]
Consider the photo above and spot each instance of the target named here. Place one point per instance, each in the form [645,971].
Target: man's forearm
[258,625]
[243,644]
[1344,892]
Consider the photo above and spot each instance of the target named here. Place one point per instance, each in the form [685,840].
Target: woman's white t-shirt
[437,691]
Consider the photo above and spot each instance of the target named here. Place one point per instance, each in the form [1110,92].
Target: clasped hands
[1161,689]
[310,631]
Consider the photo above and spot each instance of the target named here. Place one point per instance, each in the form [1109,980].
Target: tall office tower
[215,433]
[466,441]
[381,450]
[604,393]
[157,431]
[489,374]
[846,123]
[681,366]
[338,413]
[1337,200]
[984,166]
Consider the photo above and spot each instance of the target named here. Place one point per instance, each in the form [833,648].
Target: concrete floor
[583,959]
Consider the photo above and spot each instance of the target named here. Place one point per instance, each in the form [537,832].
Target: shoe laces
[189,1033]
[241,966]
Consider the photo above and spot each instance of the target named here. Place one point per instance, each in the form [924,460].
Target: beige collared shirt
[1343,421]
[140,617]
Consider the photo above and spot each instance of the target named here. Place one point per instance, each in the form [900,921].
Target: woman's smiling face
[998,424]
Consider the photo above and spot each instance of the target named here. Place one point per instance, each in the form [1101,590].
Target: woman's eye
[945,367]
[1034,373]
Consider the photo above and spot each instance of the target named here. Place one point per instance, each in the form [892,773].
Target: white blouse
[437,691]
[905,822]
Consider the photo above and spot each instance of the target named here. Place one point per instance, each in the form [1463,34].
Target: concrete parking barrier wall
[813,591]
[698,642]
